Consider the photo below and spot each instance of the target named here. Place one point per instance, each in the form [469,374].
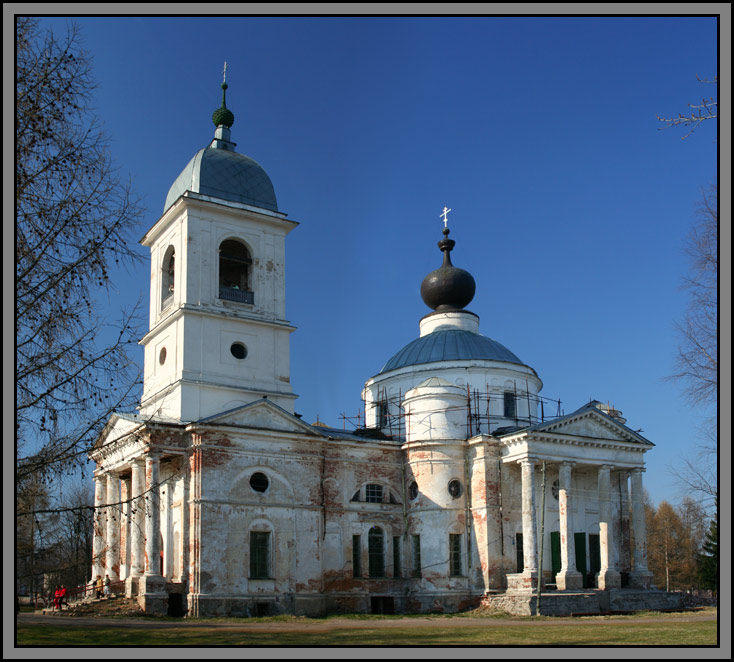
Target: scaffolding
[392,421]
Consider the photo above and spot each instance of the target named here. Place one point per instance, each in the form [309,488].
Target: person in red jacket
[57,597]
[62,597]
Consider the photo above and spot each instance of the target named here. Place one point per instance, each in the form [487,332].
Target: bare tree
[697,113]
[697,361]
[696,366]
[74,219]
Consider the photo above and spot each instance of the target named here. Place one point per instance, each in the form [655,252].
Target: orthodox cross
[446,211]
[224,73]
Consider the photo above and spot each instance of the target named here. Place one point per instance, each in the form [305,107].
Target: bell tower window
[168,277]
[235,272]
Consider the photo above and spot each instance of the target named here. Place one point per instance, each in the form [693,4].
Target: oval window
[413,490]
[239,351]
[162,356]
[455,488]
[259,482]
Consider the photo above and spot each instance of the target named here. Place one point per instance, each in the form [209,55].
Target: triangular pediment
[263,415]
[590,423]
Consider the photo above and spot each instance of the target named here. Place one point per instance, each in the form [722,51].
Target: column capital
[637,470]
[606,467]
[567,463]
[528,461]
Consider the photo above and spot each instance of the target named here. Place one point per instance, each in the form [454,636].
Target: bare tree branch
[74,222]
[699,112]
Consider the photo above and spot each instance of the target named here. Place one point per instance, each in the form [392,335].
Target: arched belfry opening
[168,276]
[235,272]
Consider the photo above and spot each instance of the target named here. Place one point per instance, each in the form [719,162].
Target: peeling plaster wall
[316,501]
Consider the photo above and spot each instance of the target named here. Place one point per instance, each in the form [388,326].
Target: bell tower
[218,337]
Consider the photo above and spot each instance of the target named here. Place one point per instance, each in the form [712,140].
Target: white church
[217,499]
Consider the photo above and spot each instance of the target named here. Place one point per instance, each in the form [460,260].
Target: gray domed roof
[223,173]
[453,345]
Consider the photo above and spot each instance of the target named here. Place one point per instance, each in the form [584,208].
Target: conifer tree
[708,560]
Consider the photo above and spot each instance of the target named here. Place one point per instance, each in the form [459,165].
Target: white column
[126,493]
[153,516]
[137,526]
[568,578]
[640,577]
[529,523]
[100,527]
[607,577]
[113,527]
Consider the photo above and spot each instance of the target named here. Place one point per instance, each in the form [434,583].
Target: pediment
[262,415]
[591,424]
[118,427]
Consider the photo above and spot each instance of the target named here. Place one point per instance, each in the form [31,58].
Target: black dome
[448,287]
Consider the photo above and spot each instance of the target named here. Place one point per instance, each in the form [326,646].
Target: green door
[519,554]
[594,557]
[555,541]
[579,540]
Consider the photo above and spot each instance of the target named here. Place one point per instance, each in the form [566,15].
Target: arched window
[376,552]
[235,271]
[373,493]
[168,276]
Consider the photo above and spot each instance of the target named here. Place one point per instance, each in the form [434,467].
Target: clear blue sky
[570,207]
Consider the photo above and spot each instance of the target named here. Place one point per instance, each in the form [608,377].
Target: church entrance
[594,558]
[176,605]
[382,604]
[579,540]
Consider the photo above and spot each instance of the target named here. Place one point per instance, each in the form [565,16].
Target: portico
[583,453]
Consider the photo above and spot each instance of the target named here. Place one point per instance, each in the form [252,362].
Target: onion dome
[448,287]
[223,116]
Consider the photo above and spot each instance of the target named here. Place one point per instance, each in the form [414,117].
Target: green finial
[223,116]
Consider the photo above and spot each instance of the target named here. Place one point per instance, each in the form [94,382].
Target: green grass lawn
[563,634]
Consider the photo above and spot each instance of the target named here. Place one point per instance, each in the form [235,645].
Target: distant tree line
[682,550]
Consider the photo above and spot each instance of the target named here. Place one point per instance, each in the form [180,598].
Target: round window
[259,482]
[413,490]
[162,356]
[239,351]
[455,488]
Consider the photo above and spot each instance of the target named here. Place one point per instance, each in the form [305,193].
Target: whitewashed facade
[216,498]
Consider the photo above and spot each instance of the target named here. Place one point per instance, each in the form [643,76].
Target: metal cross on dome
[445,213]
[224,73]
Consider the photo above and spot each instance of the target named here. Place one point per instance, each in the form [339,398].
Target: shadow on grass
[651,634]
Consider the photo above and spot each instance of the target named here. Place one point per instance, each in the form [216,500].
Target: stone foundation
[567,603]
